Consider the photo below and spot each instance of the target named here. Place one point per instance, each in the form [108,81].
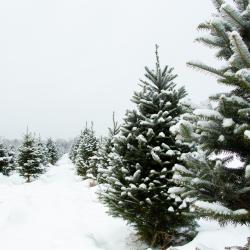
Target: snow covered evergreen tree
[223,193]
[87,147]
[74,148]
[100,161]
[142,162]
[6,160]
[229,34]
[52,151]
[30,158]
[12,154]
[95,160]
[102,157]
[42,149]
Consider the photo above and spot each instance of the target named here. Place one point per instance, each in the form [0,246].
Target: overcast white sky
[64,62]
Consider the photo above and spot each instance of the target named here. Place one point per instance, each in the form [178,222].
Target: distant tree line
[29,157]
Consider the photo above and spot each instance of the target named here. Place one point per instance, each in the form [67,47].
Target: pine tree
[29,158]
[52,151]
[221,192]
[6,160]
[96,159]
[100,161]
[85,151]
[229,34]
[142,161]
[43,151]
[12,155]
[74,148]
[103,154]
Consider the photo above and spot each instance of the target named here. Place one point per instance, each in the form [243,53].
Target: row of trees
[31,158]
[167,164]
[91,154]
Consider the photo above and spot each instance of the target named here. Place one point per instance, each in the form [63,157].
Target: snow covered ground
[57,212]
[60,212]
[213,237]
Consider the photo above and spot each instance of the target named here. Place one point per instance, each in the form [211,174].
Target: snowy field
[60,212]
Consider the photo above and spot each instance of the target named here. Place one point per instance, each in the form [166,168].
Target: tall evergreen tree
[85,151]
[30,159]
[223,193]
[229,34]
[52,151]
[6,160]
[142,162]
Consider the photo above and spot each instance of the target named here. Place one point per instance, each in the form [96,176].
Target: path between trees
[57,212]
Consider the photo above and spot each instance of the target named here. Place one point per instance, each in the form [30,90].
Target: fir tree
[100,161]
[142,161]
[12,155]
[42,149]
[229,34]
[30,159]
[6,160]
[52,151]
[74,148]
[223,193]
[87,147]
[102,157]
[96,159]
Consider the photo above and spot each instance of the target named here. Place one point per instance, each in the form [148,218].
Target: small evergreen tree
[100,161]
[85,151]
[12,155]
[96,159]
[74,148]
[223,193]
[6,160]
[30,158]
[104,151]
[142,161]
[52,151]
[43,151]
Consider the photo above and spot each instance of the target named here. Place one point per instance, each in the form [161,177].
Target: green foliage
[73,149]
[7,163]
[43,151]
[221,192]
[87,147]
[101,160]
[229,31]
[141,164]
[52,151]
[30,159]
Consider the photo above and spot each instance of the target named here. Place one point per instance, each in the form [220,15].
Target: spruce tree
[74,148]
[6,160]
[222,192]
[104,152]
[42,149]
[100,161]
[144,155]
[96,159]
[52,151]
[29,158]
[85,151]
